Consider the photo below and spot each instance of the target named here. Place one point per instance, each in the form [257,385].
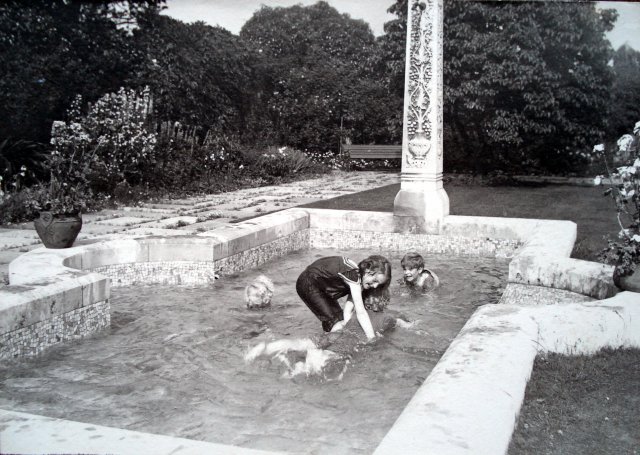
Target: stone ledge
[29,433]
[470,402]
[21,306]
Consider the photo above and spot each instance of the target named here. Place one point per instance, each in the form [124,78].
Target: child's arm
[361,312]
[347,312]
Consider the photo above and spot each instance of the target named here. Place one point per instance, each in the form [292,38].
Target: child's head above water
[259,293]
[375,272]
[414,273]
[412,266]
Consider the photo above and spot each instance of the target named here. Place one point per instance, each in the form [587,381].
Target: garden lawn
[594,214]
[581,405]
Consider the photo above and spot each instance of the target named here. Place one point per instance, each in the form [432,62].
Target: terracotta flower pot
[58,231]
[628,282]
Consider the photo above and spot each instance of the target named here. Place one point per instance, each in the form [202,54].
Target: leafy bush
[625,191]
[190,159]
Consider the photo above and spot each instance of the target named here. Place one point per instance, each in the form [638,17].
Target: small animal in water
[258,294]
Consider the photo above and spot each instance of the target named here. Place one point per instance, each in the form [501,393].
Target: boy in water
[259,293]
[416,276]
[326,280]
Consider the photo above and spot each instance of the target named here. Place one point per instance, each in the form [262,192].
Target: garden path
[198,213]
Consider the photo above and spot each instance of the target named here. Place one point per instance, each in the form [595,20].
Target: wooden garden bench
[372,152]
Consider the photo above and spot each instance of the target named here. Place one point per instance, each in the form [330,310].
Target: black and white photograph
[319,227]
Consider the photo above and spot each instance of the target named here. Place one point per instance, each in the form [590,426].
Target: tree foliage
[200,75]
[54,49]
[317,76]
[526,83]
[626,90]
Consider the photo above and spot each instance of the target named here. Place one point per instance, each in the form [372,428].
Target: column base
[420,212]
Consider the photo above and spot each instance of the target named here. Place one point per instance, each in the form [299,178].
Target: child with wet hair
[415,275]
[258,294]
[330,278]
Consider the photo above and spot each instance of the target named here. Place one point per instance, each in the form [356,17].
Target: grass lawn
[594,214]
[581,405]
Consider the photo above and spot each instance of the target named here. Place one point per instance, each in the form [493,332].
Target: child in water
[326,280]
[330,353]
[259,293]
[416,276]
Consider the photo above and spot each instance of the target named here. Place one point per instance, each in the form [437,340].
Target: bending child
[416,276]
[326,280]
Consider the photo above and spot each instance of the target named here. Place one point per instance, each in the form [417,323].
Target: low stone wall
[72,325]
[202,273]
[60,295]
[425,243]
[470,402]
[524,294]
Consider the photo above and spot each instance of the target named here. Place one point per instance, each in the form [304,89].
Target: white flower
[636,238]
[623,233]
[636,128]
[599,148]
[624,143]
[636,163]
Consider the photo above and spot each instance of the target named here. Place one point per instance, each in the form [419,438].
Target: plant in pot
[624,189]
[59,204]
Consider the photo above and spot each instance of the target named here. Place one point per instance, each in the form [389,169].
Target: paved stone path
[196,214]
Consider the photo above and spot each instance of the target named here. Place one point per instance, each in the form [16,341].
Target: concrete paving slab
[153,218]
[12,238]
[145,209]
[172,223]
[143,231]
[124,221]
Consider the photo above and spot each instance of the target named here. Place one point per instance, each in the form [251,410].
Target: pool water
[172,362]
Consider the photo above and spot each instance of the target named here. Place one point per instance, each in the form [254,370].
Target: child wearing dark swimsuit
[326,280]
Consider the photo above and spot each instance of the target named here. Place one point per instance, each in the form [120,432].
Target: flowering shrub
[283,162]
[187,158]
[119,138]
[625,191]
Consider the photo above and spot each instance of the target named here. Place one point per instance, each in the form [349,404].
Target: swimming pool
[172,361]
[474,391]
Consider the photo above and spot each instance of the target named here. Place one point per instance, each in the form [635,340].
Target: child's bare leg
[277,347]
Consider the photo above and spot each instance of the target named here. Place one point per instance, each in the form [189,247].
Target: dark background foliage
[528,85]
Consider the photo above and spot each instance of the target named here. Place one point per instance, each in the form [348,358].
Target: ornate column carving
[422,203]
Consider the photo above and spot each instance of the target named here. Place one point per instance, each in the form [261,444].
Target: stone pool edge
[542,260]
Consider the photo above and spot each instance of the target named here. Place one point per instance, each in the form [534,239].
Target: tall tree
[52,50]
[626,91]
[317,76]
[199,74]
[526,83]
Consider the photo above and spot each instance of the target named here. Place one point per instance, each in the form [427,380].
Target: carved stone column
[422,203]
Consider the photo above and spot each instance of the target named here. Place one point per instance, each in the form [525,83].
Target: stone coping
[469,402]
[44,276]
[543,259]
[23,433]
[46,281]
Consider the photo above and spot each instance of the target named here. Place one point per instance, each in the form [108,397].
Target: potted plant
[59,204]
[624,189]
